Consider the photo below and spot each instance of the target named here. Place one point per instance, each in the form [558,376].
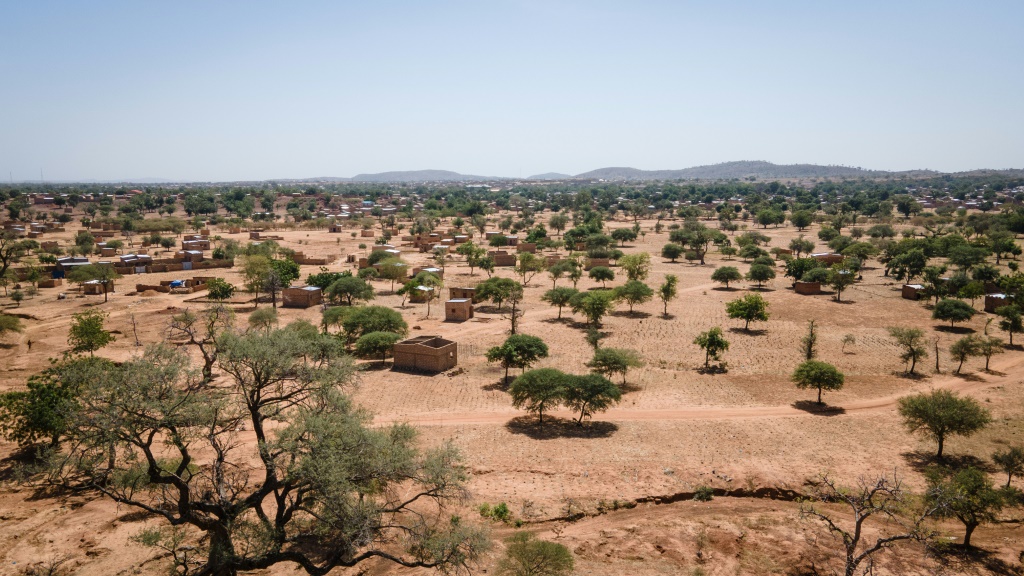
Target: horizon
[215,93]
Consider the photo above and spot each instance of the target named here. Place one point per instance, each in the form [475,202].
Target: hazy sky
[210,90]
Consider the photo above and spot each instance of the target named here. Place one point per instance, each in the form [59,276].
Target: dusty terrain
[748,432]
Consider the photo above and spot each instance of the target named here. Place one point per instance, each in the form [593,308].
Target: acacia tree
[559,297]
[590,393]
[967,495]
[941,414]
[317,489]
[912,342]
[883,498]
[1011,462]
[667,292]
[749,308]
[518,351]
[87,333]
[1010,320]
[817,374]
[538,390]
[201,330]
[713,343]
[593,304]
[608,361]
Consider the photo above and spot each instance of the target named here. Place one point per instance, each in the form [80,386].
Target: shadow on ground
[554,427]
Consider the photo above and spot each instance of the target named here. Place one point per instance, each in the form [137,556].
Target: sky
[249,90]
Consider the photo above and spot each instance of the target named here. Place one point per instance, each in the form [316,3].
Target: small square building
[458,310]
[301,296]
[426,354]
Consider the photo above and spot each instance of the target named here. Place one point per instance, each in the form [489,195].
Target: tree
[760,273]
[43,410]
[272,284]
[518,351]
[17,296]
[528,266]
[964,348]
[255,269]
[87,333]
[392,269]
[9,323]
[537,390]
[601,274]
[202,330]
[1011,320]
[713,343]
[1010,462]
[667,292]
[727,274]
[366,319]
[497,290]
[967,495]
[912,342]
[817,374]
[953,310]
[375,344]
[593,304]
[349,288]
[329,476]
[559,269]
[218,289]
[749,308]
[908,265]
[801,246]
[634,292]
[608,361]
[104,273]
[526,555]
[840,278]
[989,346]
[636,266]
[941,413]
[672,251]
[263,320]
[801,219]
[589,394]
[809,342]
[882,498]
[11,250]
[558,222]
[560,297]
[623,235]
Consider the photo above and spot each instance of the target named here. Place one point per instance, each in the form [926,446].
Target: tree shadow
[488,310]
[499,386]
[994,372]
[844,302]
[761,289]
[955,329]
[749,331]
[726,289]
[628,387]
[823,409]
[6,346]
[921,461]
[374,366]
[667,316]
[960,560]
[916,376]
[712,369]
[562,320]
[628,314]
[555,427]
[969,377]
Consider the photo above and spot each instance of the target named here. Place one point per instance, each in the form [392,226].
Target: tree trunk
[941,442]
[967,535]
[819,395]
[961,365]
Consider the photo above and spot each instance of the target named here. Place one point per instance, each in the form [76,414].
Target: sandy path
[1005,372]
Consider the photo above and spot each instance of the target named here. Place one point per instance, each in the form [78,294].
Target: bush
[703,494]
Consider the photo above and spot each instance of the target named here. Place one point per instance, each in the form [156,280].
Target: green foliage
[594,304]
[749,308]
[940,414]
[590,393]
[219,289]
[1010,462]
[967,495]
[912,342]
[760,273]
[560,297]
[609,361]
[672,251]
[840,277]
[703,494]
[43,411]
[9,323]
[1010,320]
[667,291]
[499,290]
[714,343]
[263,319]
[817,374]
[366,319]
[726,274]
[518,351]
[376,344]
[601,274]
[633,292]
[349,288]
[538,390]
[499,512]
[953,310]
[526,555]
[87,333]
[636,266]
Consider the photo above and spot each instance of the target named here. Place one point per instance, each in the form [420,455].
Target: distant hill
[549,176]
[418,176]
[745,169]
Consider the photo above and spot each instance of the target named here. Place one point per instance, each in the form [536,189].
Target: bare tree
[882,497]
[201,330]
